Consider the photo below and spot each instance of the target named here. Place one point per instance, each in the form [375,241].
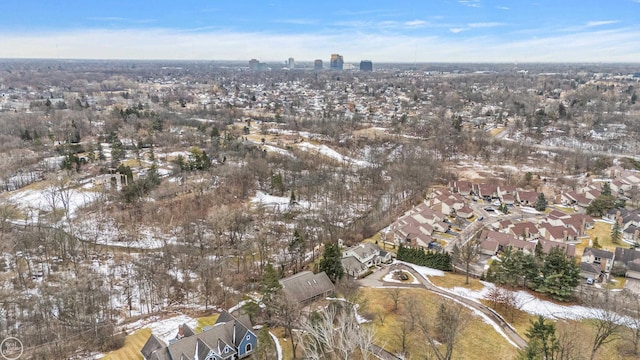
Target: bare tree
[466,254]
[335,334]
[445,329]
[287,313]
[395,295]
[607,322]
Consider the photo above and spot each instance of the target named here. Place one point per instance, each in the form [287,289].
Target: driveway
[633,285]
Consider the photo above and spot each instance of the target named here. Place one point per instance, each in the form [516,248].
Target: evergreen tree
[541,203]
[560,275]
[331,262]
[269,284]
[543,343]
[615,233]
[292,198]
[606,189]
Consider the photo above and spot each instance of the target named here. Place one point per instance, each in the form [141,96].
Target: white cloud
[470,3]
[505,8]
[415,23]
[484,25]
[601,23]
[296,21]
[618,45]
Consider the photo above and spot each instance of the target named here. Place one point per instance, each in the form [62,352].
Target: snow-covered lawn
[43,199]
[532,305]
[422,270]
[329,152]
[279,202]
[390,278]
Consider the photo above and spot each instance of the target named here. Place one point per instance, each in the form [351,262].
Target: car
[480,218]
[590,281]
[489,208]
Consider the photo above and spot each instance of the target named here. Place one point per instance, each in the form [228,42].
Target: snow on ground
[105,231]
[278,347]
[329,152]
[279,202]
[529,210]
[43,199]
[532,305]
[278,150]
[166,329]
[389,278]
[422,270]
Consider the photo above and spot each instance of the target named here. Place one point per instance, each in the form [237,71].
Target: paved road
[509,331]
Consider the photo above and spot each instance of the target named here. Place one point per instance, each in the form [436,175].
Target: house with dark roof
[602,259]
[627,261]
[229,338]
[306,287]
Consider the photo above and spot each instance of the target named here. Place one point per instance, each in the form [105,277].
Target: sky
[382,31]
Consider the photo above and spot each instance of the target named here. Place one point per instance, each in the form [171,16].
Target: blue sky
[383,31]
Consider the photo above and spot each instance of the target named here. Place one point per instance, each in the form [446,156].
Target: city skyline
[407,31]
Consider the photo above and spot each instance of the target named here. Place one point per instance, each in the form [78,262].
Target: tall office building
[366,65]
[253,64]
[291,63]
[317,64]
[337,62]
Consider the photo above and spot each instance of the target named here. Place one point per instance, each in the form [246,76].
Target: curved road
[498,320]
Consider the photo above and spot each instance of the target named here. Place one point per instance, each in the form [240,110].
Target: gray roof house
[306,287]
[358,259]
[228,338]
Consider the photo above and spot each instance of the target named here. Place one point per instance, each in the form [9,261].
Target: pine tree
[331,262]
[615,233]
[269,284]
[543,343]
[541,203]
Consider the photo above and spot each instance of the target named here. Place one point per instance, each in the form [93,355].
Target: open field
[477,340]
[132,346]
[451,280]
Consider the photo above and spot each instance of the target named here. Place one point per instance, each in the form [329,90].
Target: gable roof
[306,285]
[603,254]
[154,344]
[626,255]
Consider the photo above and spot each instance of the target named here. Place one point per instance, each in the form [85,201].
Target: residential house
[525,230]
[306,287]
[574,198]
[546,246]
[590,271]
[526,198]
[357,260]
[416,227]
[229,338]
[558,233]
[601,258]
[627,261]
[461,187]
[488,238]
[487,191]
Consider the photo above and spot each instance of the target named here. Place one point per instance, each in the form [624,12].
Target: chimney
[526,232]
[234,332]
[565,234]
[180,332]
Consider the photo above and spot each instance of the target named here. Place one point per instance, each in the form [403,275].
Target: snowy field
[329,152]
[30,200]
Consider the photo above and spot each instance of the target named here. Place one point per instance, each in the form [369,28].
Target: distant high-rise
[366,65]
[291,63]
[337,62]
[253,64]
[317,64]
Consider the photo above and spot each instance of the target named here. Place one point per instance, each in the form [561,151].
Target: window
[248,337]
[247,348]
